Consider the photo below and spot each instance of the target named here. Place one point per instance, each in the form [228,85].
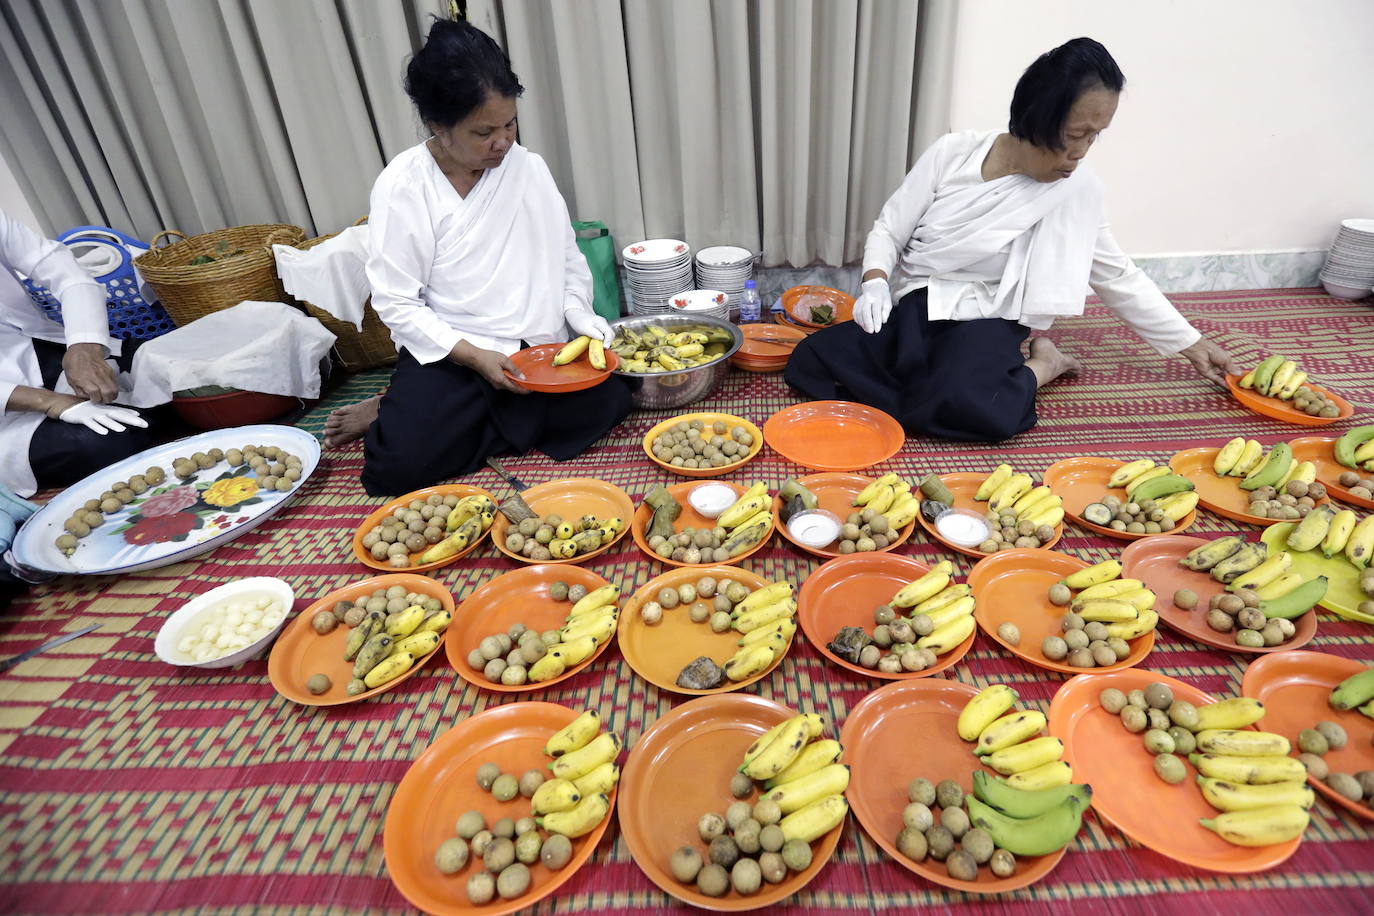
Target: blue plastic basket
[131,316]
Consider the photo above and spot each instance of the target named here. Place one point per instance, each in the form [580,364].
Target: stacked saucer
[1349,268]
[710,303]
[726,268]
[656,270]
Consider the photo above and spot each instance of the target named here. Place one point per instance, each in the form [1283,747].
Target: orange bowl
[1082,481]
[844,593]
[659,653]
[1154,561]
[521,596]
[571,498]
[708,418]
[689,518]
[373,520]
[759,349]
[536,363]
[963,484]
[877,745]
[835,494]
[1126,792]
[679,769]
[1012,587]
[300,652]
[1222,495]
[442,784]
[1294,687]
[1321,452]
[1284,410]
[833,435]
[799,312]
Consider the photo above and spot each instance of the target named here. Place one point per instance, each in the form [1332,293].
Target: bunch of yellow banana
[1173,495]
[1249,777]
[1009,740]
[577,798]
[654,349]
[948,604]
[1276,377]
[748,521]
[592,346]
[578,536]
[467,522]
[1006,491]
[384,646]
[1246,458]
[1126,606]
[590,623]
[891,497]
[1334,532]
[766,618]
[802,774]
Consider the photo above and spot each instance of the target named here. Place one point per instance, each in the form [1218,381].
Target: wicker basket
[356,350]
[190,291]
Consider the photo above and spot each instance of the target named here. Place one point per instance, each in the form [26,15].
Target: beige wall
[1247,125]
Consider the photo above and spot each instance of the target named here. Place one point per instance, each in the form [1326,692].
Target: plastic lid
[750,284]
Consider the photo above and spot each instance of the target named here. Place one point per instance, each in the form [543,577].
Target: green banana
[1356,690]
[1159,487]
[1022,804]
[1351,440]
[1242,561]
[1264,373]
[1210,554]
[1311,531]
[1297,602]
[1035,836]
[1272,471]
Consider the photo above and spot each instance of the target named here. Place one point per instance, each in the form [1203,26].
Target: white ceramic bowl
[1345,292]
[190,614]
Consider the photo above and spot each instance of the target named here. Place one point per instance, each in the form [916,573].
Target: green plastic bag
[597,246]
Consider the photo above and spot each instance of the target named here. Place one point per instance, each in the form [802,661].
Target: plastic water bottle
[749,307]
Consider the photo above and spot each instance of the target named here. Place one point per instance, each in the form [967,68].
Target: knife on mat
[515,509]
[53,643]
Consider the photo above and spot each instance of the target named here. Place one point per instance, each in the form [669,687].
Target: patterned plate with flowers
[170,518]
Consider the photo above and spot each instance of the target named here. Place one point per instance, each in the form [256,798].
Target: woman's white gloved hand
[874,305]
[590,324]
[101,418]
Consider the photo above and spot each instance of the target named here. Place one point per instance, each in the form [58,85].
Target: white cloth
[1012,248]
[493,268]
[254,346]
[331,276]
[25,252]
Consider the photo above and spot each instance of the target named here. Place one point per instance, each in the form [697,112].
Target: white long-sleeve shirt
[494,268]
[955,162]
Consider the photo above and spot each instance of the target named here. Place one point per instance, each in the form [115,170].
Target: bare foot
[348,423]
[1048,362]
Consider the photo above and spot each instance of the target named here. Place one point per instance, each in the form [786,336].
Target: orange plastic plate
[844,593]
[707,418]
[540,374]
[1013,587]
[372,521]
[300,652]
[442,785]
[835,494]
[964,484]
[689,518]
[521,596]
[680,769]
[1284,410]
[833,435]
[1222,495]
[1154,561]
[1294,688]
[1321,452]
[571,498]
[1126,792]
[1082,481]
[799,312]
[759,348]
[877,745]
[659,653]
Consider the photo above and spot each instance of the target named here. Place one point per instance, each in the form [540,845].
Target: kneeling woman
[992,235]
[472,257]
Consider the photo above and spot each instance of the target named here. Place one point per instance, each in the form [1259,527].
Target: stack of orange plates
[766,347]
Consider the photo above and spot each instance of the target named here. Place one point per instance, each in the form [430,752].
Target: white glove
[101,418]
[873,305]
[589,324]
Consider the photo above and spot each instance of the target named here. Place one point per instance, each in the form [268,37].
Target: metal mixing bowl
[684,386]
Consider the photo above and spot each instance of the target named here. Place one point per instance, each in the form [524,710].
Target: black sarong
[443,420]
[962,380]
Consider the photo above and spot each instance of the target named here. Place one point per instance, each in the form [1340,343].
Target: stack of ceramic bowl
[726,268]
[711,303]
[1349,268]
[656,270]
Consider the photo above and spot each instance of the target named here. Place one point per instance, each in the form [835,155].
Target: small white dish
[814,528]
[711,499]
[1345,292]
[191,614]
[963,527]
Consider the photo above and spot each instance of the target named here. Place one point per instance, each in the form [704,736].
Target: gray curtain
[779,125]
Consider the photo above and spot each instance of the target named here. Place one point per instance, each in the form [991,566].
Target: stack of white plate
[712,303]
[656,270]
[726,268]
[1349,268]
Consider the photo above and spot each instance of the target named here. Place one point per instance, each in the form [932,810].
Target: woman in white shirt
[472,257]
[990,236]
